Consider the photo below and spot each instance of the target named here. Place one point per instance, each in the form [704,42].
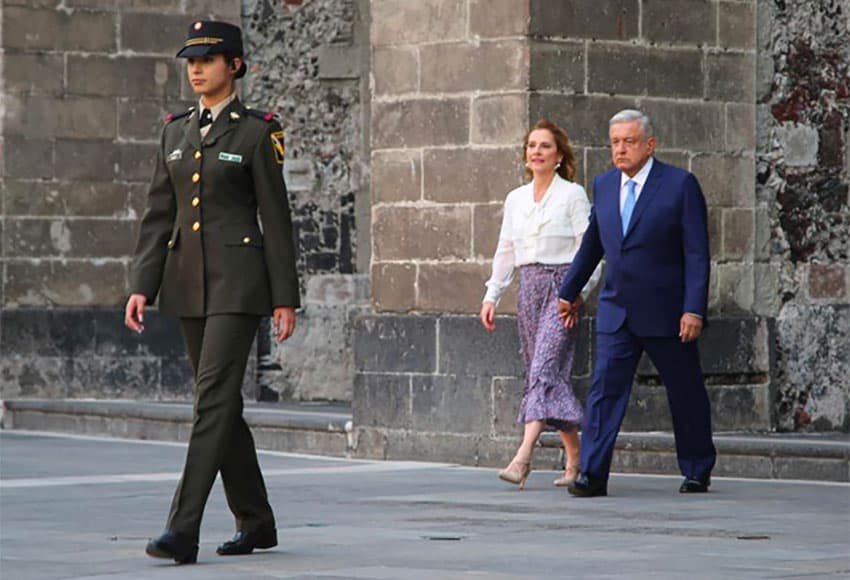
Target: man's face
[630,148]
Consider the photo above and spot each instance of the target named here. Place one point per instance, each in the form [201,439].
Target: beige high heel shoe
[516,475]
[570,474]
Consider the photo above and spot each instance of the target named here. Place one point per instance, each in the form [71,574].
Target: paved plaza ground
[74,507]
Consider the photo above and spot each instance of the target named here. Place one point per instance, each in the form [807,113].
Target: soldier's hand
[284,322]
[134,313]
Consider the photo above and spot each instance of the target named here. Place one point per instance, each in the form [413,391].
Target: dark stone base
[89,353]
[442,388]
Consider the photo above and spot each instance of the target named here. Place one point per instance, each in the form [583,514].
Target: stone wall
[454,92]
[452,100]
[309,62]
[803,178]
[85,87]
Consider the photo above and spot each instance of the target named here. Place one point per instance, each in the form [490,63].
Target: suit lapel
[224,123]
[653,182]
[607,202]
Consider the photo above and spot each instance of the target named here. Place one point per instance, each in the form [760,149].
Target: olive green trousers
[220,442]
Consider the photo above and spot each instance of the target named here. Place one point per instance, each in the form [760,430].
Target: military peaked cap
[208,37]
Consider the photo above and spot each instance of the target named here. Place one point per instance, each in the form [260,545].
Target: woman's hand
[134,312]
[488,315]
[284,322]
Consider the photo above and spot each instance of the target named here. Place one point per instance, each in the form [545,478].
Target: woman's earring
[558,165]
[527,164]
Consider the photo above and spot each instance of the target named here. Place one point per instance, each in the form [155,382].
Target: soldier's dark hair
[231,62]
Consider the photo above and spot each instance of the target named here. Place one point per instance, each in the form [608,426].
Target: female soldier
[202,251]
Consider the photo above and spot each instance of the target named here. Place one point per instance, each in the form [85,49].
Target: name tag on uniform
[175,155]
[229,157]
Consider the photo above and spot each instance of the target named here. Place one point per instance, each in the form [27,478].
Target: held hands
[134,312]
[284,322]
[690,327]
[569,312]
[488,315]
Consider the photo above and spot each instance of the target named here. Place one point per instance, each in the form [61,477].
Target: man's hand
[569,312]
[284,322]
[134,312]
[488,315]
[690,327]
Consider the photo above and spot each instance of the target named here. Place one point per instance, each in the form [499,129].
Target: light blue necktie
[629,205]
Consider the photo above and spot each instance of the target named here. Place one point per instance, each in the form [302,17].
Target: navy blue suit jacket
[659,269]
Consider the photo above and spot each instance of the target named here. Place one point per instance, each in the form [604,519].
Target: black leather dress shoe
[179,547]
[587,486]
[695,485]
[245,542]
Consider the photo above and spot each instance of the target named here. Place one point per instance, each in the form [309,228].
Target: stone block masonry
[86,86]
[425,378]
[309,63]
[449,110]
[803,206]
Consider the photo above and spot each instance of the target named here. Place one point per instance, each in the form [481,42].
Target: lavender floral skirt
[548,349]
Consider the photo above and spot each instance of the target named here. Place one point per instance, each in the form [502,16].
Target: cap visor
[198,50]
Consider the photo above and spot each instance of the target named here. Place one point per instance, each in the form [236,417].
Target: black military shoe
[587,486]
[695,485]
[179,547]
[245,542]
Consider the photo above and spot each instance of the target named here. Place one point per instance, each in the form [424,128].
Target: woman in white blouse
[542,225]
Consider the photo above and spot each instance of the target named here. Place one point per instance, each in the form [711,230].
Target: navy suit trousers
[678,363]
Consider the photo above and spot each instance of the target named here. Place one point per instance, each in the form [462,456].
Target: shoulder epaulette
[267,117]
[174,116]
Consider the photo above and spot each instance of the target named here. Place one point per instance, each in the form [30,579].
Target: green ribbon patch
[229,157]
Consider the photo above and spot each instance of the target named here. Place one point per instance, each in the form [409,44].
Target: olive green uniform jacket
[200,246]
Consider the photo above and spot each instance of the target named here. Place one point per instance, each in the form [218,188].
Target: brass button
[196,226]
[196,201]
[246,240]
[170,243]
[196,177]
[198,154]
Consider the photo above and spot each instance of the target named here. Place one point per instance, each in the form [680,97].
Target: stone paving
[82,508]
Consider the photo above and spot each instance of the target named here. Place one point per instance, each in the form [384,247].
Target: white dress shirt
[639,179]
[544,232]
[215,110]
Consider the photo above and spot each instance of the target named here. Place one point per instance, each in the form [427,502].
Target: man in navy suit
[649,223]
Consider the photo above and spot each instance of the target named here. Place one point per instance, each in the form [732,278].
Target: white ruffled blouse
[544,232]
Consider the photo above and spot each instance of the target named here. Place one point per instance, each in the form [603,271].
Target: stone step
[327,430]
[306,428]
[808,456]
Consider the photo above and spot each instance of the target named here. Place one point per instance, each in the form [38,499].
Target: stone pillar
[803,206]
[450,101]
[456,83]
[317,81]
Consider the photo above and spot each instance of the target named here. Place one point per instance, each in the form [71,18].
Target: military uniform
[203,253]
[201,248]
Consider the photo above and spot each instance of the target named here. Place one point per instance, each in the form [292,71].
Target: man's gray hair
[629,115]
